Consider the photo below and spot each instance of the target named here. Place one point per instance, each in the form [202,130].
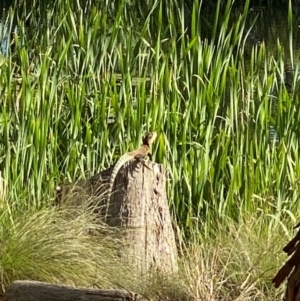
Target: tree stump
[139,206]
[41,291]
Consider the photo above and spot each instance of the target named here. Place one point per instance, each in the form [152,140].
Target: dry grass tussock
[236,261]
[233,262]
[56,246]
[67,246]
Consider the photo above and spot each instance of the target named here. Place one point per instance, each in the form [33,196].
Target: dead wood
[41,291]
[291,270]
[139,206]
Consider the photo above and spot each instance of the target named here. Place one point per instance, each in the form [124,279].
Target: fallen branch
[42,291]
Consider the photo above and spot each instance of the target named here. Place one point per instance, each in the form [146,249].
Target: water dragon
[138,154]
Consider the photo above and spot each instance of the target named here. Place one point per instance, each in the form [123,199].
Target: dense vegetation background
[84,80]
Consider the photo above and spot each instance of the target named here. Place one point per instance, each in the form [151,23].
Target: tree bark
[138,206]
[41,291]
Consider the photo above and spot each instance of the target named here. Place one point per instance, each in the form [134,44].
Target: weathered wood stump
[40,291]
[139,206]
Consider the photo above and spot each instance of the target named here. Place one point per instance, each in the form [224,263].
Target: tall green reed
[94,80]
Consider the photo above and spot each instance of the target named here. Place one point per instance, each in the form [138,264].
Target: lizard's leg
[141,159]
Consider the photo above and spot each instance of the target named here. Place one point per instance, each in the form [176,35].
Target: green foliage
[86,81]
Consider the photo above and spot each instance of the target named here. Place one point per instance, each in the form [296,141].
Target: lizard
[84,185]
[138,154]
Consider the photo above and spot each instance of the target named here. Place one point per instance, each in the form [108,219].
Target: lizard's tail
[122,160]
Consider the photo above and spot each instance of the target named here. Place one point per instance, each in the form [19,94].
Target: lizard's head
[149,138]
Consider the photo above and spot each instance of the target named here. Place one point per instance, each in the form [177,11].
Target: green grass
[54,246]
[84,83]
[85,100]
